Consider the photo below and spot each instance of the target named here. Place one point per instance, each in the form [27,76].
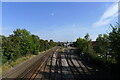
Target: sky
[60,21]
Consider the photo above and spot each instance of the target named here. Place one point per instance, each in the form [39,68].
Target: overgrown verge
[104,52]
[108,65]
[7,66]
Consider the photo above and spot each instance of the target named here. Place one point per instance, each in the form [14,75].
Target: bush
[21,43]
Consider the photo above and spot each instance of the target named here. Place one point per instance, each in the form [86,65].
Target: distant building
[68,44]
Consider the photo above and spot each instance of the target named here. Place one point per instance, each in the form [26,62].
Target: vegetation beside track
[104,52]
[5,67]
[20,46]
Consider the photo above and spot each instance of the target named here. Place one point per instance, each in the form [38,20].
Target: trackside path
[21,69]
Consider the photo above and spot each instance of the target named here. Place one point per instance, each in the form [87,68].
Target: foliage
[105,50]
[102,44]
[114,37]
[60,43]
[84,45]
[21,43]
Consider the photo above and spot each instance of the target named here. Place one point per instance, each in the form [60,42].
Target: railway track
[40,72]
[66,56]
[74,69]
[35,68]
[59,65]
[89,74]
[81,71]
[46,71]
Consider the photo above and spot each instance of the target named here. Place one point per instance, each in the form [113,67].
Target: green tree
[85,45]
[46,44]
[88,44]
[11,47]
[42,45]
[21,43]
[80,44]
[51,43]
[114,37]
[102,44]
[24,37]
[34,46]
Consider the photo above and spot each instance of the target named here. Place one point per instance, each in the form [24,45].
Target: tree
[11,47]
[60,43]
[80,44]
[87,37]
[51,43]
[102,44]
[34,46]
[24,37]
[114,37]
[85,45]
[21,43]
[42,45]
[88,44]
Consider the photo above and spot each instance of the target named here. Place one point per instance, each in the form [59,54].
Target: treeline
[21,43]
[103,52]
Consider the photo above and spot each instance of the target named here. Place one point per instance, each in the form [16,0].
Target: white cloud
[110,13]
[102,22]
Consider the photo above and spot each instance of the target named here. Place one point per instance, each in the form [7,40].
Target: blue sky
[60,21]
